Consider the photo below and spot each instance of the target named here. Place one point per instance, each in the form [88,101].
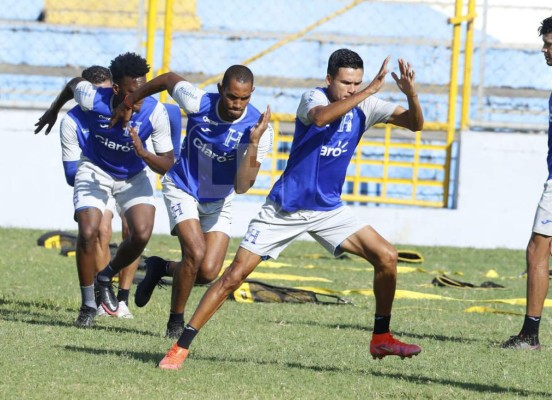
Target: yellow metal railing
[386,142]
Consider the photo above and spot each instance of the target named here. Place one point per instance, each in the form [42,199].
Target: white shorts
[272,230]
[111,205]
[543,216]
[94,187]
[215,216]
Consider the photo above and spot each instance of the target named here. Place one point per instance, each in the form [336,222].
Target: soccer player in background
[307,197]
[226,140]
[74,135]
[538,248]
[114,164]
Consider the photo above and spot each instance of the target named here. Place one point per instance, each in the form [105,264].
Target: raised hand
[48,118]
[405,81]
[260,126]
[379,79]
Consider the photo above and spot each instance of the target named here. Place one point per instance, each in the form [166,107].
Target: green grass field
[271,351]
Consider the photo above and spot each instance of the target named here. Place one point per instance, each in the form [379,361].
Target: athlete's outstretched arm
[413,118]
[249,166]
[158,84]
[50,115]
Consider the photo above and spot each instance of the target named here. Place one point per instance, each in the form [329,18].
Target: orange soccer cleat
[385,344]
[174,358]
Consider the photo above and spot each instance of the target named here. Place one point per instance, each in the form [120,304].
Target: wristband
[127,102]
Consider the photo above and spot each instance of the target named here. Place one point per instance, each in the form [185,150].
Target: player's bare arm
[159,163]
[249,166]
[158,84]
[323,115]
[412,118]
[50,115]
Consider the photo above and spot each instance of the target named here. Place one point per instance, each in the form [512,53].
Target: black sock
[122,295]
[530,325]
[107,274]
[166,269]
[176,318]
[187,336]
[381,324]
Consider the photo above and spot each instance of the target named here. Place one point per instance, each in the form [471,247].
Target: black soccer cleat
[522,342]
[86,317]
[155,269]
[174,330]
[105,297]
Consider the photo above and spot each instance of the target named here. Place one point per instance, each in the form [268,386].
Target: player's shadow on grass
[411,378]
[28,316]
[140,356]
[358,327]
[43,305]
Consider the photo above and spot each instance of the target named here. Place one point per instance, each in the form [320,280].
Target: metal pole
[167,43]
[453,93]
[468,60]
[482,61]
[150,43]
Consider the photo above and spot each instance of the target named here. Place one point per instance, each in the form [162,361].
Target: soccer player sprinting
[74,135]
[114,164]
[307,198]
[538,248]
[226,140]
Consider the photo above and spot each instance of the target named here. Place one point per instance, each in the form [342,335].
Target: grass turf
[270,351]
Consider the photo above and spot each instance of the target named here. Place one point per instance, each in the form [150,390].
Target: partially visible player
[225,143]
[74,134]
[307,197]
[538,248]
[114,164]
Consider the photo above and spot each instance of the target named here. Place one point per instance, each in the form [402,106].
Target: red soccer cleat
[174,358]
[385,344]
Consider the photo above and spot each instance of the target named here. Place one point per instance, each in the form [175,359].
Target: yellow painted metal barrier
[380,139]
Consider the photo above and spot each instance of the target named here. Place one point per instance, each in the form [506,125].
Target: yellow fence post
[150,41]
[468,57]
[453,93]
[167,43]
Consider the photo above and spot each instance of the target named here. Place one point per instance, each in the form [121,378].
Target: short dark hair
[128,64]
[239,73]
[343,58]
[546,26]
[96,74]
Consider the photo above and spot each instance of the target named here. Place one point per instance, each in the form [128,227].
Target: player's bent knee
[388,258]
[141,236]
[88,233]
[207,275]
[230,282]
[195,254]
